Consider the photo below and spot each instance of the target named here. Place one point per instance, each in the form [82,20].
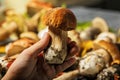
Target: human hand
[30,65]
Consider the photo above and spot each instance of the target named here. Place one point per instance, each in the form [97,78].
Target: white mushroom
[107,36]
[100,23]
[93,62]
[74,35]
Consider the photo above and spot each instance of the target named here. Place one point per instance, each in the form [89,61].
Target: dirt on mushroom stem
[57,51]
[59,21]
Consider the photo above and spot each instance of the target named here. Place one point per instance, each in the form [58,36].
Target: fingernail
[42,33]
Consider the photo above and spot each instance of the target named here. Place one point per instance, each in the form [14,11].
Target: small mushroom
[107,36]
[89,33]
[35,6]
[7,29]
[112,49]
[59,21]
[4,34]
[74,35]
[100,23]
[30,35]
[18,46]
[10,26]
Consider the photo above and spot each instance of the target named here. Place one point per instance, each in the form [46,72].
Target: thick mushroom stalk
[59,21]
[56,53]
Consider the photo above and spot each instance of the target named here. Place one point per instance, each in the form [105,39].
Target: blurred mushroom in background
[110,73]
[34,6]
[107,36]
[97,26]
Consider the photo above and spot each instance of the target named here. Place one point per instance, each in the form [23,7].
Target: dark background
[108,4]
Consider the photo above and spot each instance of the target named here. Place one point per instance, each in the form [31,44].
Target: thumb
[39,46]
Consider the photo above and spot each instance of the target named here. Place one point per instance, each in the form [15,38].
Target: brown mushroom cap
[61,18]
[111,48]
[18,46]
[30,35]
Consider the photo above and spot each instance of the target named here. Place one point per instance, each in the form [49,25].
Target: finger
[40,57]
[72,50]
[68,40]
[71,44]
[49,69]
[38,47]
[65,65]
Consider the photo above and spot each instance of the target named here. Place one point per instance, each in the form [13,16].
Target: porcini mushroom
[7,29]
[18,46]
[30,35]
[59,21]
[93,62]
[112,50]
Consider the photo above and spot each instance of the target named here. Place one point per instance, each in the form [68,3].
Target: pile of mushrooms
[15,23]
[100,57]
[98,25]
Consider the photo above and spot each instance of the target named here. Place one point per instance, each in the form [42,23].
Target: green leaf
[112,30]
[83,25]
[64,5]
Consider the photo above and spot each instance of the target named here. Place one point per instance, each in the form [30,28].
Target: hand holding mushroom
[59,21]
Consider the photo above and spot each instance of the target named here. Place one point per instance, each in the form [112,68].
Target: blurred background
[104,4]
[85,10]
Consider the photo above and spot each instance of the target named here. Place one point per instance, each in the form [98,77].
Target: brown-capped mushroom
[18,46]
[7,29]
[35,6]
[31,35]
[59,21]
[112,50]
[11,27]
[4,34]
[94,61]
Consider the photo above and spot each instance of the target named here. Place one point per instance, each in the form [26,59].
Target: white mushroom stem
[93,62]
[107,36]
[103,53]
[57,50]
